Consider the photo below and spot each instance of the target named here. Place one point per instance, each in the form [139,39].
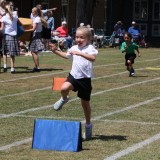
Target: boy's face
[127,38]
[81,39]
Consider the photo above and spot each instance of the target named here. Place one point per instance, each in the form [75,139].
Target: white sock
[12,69]
[5,65]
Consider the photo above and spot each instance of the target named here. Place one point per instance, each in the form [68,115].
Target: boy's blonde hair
[86,31]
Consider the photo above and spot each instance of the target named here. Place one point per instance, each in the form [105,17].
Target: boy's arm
[90,57]
[138,52]
[123,48]
[53,48]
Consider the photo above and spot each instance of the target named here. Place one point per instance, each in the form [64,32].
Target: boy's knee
[128,61]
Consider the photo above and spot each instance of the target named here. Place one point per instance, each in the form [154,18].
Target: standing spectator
[79,79]
[43,11]
[119,32]
[36,45]
[9,43]
[2,8]
[15,10]
[46,33]
[128,47]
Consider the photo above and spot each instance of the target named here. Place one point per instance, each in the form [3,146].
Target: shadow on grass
[109,138]
[41,70]
[50,69]
[136,76]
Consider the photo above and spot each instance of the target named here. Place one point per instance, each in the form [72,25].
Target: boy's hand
[139,54]
[75,53]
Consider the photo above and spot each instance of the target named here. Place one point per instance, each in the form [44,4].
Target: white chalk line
[6,147]
[49,87]
[49,74]
[20,142]
[125,121]
[134,147]
[94,94]
[14,144]
[79,119]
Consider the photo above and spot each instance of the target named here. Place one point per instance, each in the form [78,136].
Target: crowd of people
[119,30]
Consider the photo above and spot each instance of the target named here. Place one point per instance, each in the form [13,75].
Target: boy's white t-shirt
[10,26]
[81,67]
[38,21]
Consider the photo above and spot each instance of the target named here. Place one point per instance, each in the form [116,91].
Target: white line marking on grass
[49,87]
[17,94]
[94,94]
[36,76]
[31,110]
[14,144]
[124,121]
[49,74]
[126,108]
[6,147]
[133,148]
[47,117]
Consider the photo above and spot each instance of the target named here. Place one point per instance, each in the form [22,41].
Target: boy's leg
[87,114]
[36,62]
[12,61]
[87,110]
[66,87]
[5,63]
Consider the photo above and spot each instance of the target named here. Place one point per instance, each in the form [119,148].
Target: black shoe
[35,70]
[12,72]
[4,69]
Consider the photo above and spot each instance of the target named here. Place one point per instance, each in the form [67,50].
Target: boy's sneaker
[88,132]
[58,105]
[132,72]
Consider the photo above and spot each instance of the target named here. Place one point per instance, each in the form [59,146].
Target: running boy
[128,47]
[79,79]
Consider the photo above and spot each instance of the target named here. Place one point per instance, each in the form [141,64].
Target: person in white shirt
[79,79]
[9,42]
[36,45]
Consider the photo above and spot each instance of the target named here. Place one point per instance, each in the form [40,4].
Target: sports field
[125,110]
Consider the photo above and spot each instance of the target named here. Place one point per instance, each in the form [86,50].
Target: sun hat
[133,22]
[64,22]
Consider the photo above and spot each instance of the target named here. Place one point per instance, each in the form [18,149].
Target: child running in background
[128,47]
[79,79]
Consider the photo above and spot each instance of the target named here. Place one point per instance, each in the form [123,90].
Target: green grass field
[125,110]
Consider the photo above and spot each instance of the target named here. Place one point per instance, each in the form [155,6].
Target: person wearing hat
[134,31]
[118,34]
[63,35]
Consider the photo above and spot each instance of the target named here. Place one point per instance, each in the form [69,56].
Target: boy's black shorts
[130,57]
[83,86]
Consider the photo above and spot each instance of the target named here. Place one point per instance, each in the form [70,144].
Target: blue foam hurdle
[57,135]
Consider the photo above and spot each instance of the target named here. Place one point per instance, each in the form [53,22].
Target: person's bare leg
[66,87]
[35,59]
[5,63]
[87,110]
